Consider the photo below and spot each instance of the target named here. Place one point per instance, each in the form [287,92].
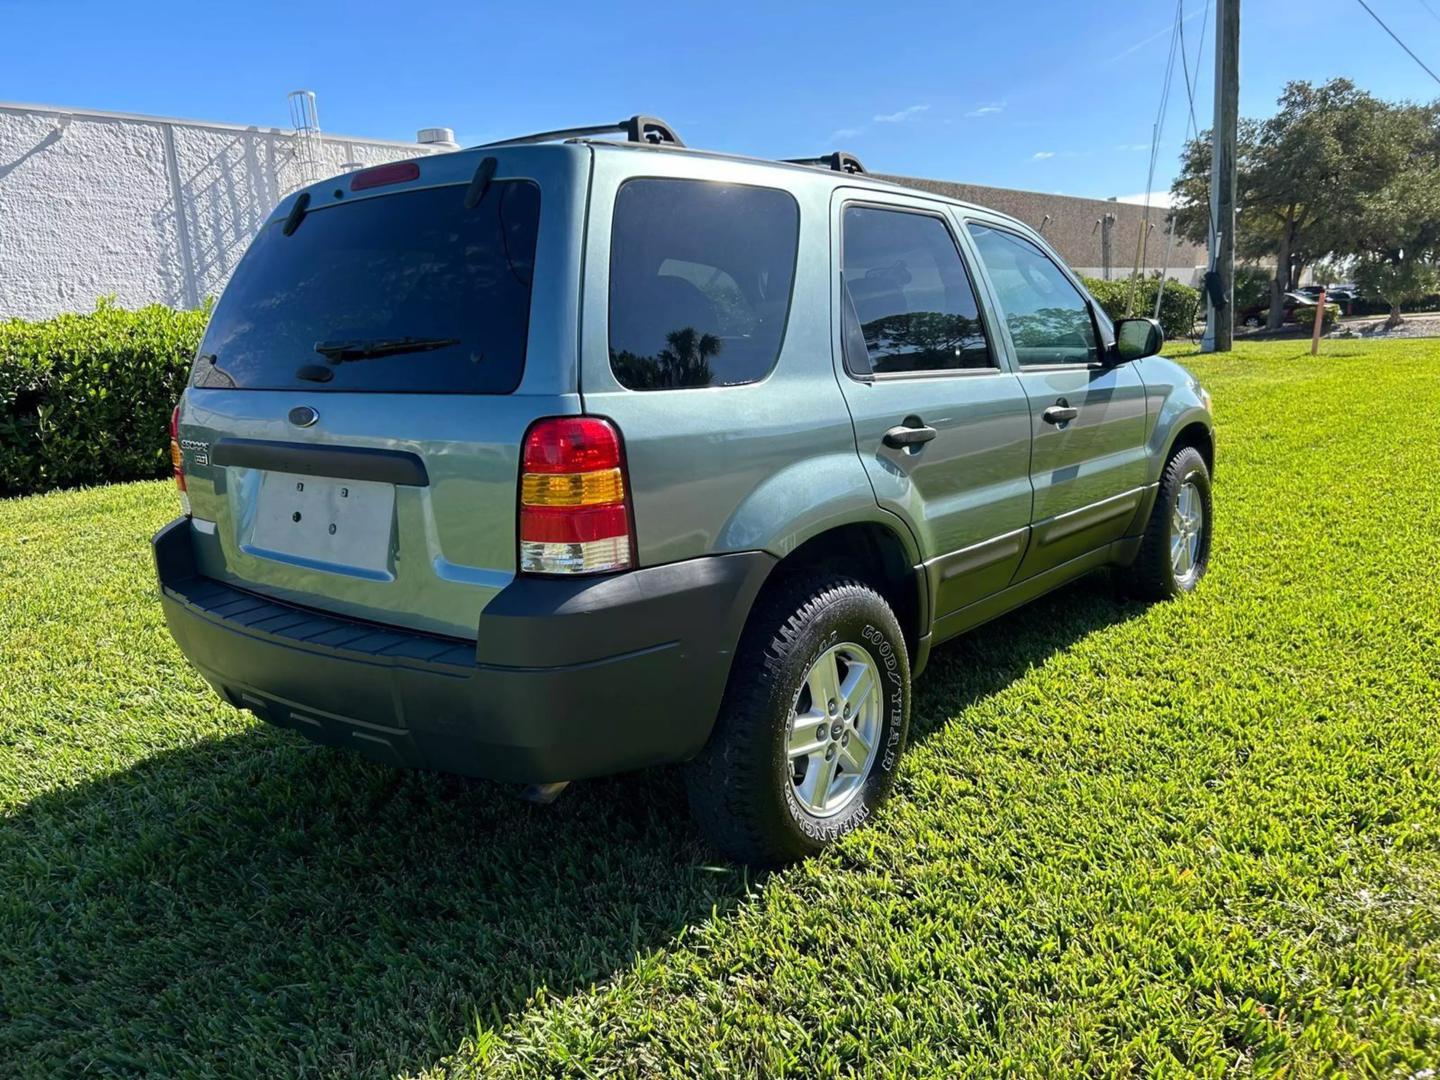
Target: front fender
[1175,402]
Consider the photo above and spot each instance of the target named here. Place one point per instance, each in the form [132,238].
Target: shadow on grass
[256,905]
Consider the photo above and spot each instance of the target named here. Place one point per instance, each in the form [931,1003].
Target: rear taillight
[177,460]
[574,506]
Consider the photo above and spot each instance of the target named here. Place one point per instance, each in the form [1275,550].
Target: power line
[1433,13]
[1155,131]
[1192,128]
[1402,44]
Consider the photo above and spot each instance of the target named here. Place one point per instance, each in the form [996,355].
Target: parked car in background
[1342,294]
[1293,306]
[562,456]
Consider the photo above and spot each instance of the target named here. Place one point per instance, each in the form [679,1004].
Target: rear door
[1087,414]
[354,418]
[941,422]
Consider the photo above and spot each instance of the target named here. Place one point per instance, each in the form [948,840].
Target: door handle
[905,435]
[1059,414]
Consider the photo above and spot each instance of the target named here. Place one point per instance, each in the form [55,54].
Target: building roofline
[210,125]
[905,181]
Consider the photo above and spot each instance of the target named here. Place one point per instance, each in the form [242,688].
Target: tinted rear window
[370,274]
[700,276]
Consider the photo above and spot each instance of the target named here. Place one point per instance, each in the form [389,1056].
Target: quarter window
[909,304]
[1049,320]
[700,282]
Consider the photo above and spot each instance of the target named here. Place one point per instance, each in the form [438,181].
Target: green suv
[565,455]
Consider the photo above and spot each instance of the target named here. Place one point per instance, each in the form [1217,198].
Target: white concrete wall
[148,209]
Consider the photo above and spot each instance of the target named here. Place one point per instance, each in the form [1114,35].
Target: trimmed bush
[1179,307]
[1252,287]
[86,399]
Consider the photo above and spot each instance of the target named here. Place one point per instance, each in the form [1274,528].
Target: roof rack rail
[838,161]
[637,129]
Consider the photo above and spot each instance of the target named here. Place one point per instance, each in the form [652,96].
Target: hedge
[1178,310]
[86,399]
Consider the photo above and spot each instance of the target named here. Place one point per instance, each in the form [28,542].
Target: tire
[1159,572]
[752,800]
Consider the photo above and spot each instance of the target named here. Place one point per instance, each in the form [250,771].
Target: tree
[1302,178]
[1397,281]
[684,361]
[1396,233]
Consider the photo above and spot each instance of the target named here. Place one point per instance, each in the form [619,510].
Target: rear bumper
[565,680]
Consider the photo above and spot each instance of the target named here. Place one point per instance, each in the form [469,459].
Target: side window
[700,281]
[909,304]
[1048,318]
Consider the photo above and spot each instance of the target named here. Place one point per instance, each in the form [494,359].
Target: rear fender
[806,499]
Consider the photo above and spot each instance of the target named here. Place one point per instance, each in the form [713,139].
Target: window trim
[1102,348]
[997,367]
[614,201]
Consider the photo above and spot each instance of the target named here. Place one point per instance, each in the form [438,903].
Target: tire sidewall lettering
[884,652]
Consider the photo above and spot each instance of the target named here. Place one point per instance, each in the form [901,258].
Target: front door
[941,422]
[1087,413]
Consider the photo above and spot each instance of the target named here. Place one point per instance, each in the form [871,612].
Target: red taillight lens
[574,502]
[571,444]
[395,173]
[177,459]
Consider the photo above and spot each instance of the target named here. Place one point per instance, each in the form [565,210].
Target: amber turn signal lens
[573,489]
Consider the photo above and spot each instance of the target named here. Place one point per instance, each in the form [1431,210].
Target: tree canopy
[1336,172]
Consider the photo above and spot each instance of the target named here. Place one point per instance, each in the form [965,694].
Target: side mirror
[1136,339]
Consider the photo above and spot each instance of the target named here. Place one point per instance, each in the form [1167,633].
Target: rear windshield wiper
[337,352]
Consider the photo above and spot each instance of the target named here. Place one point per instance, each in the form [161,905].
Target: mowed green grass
[1197,838]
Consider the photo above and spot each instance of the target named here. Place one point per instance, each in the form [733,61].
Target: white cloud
[1157,198]
[844,133]
[1135,147]
[1042,155]
[987,110]
[902,115]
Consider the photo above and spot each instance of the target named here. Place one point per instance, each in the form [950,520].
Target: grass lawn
[1196,838]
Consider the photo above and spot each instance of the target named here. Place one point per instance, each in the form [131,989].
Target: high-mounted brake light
[177,460]
[397,172]
[574,508]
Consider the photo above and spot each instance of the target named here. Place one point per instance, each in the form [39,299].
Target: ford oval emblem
[303,416]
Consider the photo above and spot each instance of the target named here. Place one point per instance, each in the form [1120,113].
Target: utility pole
[1220,282]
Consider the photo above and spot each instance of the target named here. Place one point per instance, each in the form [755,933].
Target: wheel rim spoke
[855,753]
[824,682]
[816,786]
[859,681]
[803,738]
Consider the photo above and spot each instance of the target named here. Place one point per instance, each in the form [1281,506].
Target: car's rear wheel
[1175,551]
[812,725]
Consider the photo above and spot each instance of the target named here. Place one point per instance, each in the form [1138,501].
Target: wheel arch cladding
[873,553]
[1198,434]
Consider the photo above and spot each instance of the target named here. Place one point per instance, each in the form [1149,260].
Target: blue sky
[1054,95]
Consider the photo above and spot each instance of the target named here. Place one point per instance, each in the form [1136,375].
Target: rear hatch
[352,427]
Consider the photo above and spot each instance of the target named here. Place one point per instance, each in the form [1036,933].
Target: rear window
[408,292]
[700,277]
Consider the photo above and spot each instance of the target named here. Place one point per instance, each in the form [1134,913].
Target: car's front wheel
[1175,551]
[812,725]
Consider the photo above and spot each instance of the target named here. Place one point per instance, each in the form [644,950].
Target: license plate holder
[342,525]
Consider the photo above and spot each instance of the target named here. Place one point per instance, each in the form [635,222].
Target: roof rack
[637,129]
[838,161]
